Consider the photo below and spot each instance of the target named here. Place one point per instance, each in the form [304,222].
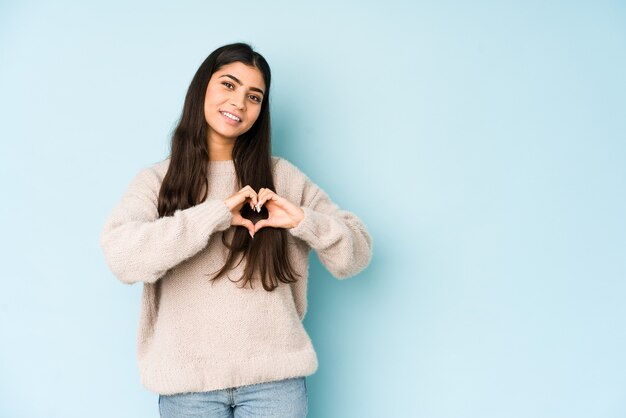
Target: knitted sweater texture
[195,335]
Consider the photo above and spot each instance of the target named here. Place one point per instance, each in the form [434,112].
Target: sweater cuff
[306,228]
[212,216]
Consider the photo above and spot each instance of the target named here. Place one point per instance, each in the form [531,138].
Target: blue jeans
[279,399]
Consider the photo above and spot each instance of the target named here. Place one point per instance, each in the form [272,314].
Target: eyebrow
[241,84]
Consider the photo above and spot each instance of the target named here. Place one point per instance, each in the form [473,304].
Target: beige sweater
[194,336]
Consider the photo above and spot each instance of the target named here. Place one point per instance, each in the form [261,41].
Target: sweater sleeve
[339,237]
[139,246]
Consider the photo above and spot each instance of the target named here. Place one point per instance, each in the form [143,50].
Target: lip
[234,122]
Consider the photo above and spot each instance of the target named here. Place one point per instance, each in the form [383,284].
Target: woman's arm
[339,237]
[139,246]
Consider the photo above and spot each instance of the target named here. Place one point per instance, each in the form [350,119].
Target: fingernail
[251,234]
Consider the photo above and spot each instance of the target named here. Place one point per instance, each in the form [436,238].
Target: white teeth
[231,116]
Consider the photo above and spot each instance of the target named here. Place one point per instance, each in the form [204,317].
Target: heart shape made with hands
[253,215]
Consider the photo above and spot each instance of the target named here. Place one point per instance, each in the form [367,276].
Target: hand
[282,213]
[236,202]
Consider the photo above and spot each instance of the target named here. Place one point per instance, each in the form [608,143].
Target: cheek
[212,96]
[255,115]
[207,104]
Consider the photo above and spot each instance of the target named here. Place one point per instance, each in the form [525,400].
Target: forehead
[249,76]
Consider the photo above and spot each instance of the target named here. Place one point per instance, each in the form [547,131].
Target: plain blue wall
[483,144]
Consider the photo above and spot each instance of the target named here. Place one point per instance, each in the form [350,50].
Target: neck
[220,149]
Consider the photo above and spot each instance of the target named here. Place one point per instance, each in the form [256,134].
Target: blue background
[483,144]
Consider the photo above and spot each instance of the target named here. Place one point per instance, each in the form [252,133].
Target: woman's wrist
[299,217]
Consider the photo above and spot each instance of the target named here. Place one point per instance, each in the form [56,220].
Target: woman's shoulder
[152,174]
[288,178]
[282,166]
[160,167]
[294,184]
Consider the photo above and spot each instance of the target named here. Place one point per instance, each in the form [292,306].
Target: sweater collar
[222,167]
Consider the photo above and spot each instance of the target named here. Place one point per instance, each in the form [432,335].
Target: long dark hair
[186,184]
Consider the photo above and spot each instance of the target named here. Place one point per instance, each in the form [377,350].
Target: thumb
[260,224]
[246,223]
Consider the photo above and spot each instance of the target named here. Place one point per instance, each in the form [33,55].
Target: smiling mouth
[231,116]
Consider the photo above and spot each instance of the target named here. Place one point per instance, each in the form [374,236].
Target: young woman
[219,234]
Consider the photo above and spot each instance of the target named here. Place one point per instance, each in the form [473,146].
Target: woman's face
[233,100]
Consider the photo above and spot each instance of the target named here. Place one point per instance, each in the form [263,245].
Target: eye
[228,84]
[255,98]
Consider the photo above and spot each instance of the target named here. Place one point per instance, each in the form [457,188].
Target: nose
[238,100]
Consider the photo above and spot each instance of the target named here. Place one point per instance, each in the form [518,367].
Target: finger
[260,224]
[259,203]
[252,198]
[238,199]
[249,193]
[264,196]
[237,219]
[249,226]
[235,201]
